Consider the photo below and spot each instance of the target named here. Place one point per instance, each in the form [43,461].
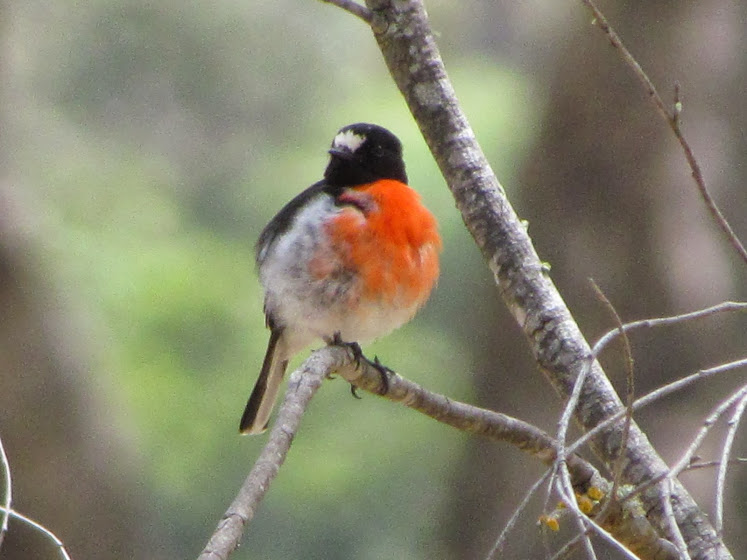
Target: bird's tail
[262,400]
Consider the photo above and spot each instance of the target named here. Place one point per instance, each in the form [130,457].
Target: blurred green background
[143,148]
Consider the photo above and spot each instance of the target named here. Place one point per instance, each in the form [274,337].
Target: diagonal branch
[621,519]
[673,120]
[59,545]
[724,463]
[627,524]
[407,43]
[302,385]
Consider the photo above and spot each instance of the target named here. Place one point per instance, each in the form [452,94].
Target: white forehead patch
[348,140]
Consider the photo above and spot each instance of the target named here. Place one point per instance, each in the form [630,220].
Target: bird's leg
[358,356]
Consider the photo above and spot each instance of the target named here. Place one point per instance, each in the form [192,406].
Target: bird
[349,259]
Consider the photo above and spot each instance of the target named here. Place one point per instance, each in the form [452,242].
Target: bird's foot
[358,357]
[354,347]
[384,372]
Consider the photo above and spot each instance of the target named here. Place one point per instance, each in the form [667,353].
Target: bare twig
[673,120]
[354,8]
[465,417]
[599,346]
[565,420]
[666,502]
[686,461]
[500,542]
[304,382]
[568,548]
[711,464]
[724,463]
[302,385]
[38,527]
[7,502]
[565,489]
[712,418]
[589,547]
[629,400]
[657,394]
[724,307]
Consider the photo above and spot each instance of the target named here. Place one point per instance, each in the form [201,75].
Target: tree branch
[8,512]
[354,8]
[302,385]
[622,519]
[406,41]
[673,120]
[725,454]
[626,523]
[660,393]
[8,499]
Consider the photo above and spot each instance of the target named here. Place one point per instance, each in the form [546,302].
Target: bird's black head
[362,153]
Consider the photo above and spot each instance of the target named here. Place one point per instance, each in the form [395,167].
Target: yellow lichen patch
[550,521]
[585,504]
[595,493]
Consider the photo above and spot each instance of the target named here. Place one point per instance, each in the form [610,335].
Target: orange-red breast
[354,254]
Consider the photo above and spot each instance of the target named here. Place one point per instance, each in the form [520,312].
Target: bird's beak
[340,153]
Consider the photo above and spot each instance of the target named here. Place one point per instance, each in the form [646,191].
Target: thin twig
[354,8]
[687,457]
[553,474]
[677,538]
[686,460]
[500,542]
[303,383]
[711,464]
[41,528]
[585,535]
[724,307]
[658,394]
[600,345]
[673,120]
[8,501]
[721,478]
[567,548]
[562,478]
[564,423]
[629,399]
[565,489]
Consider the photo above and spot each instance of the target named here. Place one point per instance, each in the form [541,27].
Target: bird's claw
[354,347]
[384,372]
[358,357]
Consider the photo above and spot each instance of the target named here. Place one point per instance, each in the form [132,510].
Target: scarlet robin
[351,258]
